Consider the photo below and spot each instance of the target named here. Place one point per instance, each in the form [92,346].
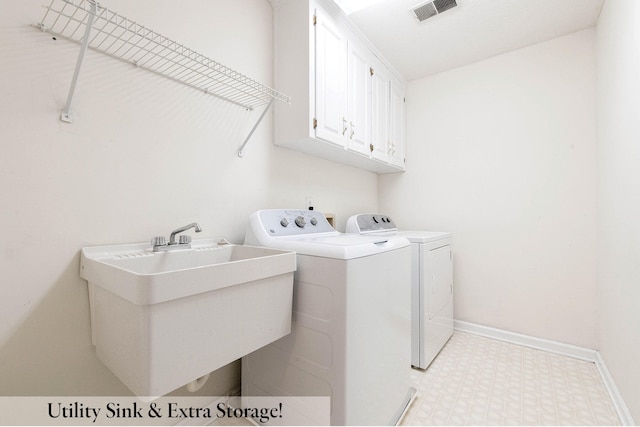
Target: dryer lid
[424,236]
[383,225]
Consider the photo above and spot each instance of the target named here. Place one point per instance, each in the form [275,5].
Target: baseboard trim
[621,408]
[528,341]
[564,349]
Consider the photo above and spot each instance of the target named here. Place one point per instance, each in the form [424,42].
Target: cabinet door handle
[344,126]
[352,130]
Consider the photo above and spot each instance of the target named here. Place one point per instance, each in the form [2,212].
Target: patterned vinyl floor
[480,381]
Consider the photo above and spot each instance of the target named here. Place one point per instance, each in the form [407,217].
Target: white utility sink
[160,320]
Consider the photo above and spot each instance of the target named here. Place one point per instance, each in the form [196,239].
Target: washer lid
[339,246]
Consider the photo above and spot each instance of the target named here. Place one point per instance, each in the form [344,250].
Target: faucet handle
[184,239]
[159,241]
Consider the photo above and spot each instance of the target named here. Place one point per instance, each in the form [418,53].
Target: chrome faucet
[160,243]
[172,238]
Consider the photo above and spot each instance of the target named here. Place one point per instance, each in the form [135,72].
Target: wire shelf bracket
[95,27]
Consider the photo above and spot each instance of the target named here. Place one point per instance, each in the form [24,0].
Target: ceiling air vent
[427,10]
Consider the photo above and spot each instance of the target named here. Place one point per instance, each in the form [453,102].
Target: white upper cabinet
[342,95]
[359,99]
[380,107]
[331,83]
[396,141]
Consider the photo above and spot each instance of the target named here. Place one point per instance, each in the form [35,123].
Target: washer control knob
[313,221]
[300,222]
[284,222]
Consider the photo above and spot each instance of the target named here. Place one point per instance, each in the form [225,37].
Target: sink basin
[160,320]
[141,276]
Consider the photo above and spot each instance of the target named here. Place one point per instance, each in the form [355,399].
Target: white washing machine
[432,283]
[350,336]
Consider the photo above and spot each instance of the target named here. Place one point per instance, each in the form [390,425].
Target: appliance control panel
[285,222]
[369,223]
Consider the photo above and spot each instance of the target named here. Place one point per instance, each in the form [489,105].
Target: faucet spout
[194,225]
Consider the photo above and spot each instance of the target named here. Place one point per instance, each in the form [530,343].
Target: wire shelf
[129,41]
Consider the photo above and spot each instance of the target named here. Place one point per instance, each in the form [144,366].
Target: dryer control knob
[300,222]
[284,222]
[313,221]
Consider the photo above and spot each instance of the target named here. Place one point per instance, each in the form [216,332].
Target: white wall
[502,154]
[618,124]
[143,156]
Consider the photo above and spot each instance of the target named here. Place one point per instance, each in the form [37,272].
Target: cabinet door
[359,99]
[380,87]
[331,82]
[396,143]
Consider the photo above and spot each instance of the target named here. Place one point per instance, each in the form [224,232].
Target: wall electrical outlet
[309,202]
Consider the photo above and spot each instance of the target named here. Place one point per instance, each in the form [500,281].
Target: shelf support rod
[65,116]
[244,143]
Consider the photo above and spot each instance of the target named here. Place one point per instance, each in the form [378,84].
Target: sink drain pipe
[197,384]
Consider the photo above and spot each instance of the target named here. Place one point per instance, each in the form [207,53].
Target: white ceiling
[475,30]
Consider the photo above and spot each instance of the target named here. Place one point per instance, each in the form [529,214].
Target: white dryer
[350,336]
[432,283]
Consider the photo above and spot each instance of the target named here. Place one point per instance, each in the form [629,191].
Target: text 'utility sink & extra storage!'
[161,319]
